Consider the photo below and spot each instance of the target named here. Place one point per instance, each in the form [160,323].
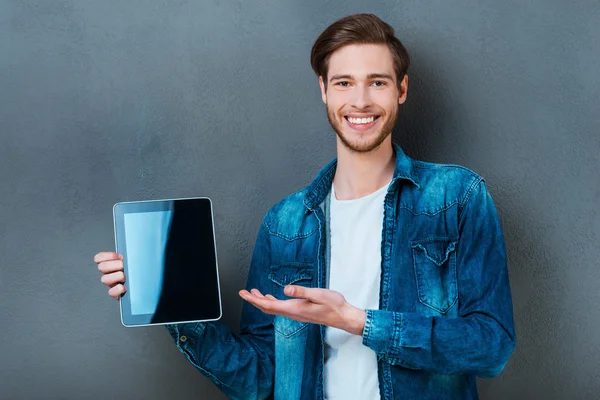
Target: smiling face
[362,95]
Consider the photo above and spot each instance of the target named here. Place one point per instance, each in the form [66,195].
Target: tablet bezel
[119,210]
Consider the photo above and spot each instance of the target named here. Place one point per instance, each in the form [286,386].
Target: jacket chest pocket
[300,274]
[434,262]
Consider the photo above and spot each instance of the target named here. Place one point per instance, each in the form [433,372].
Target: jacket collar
[318,190]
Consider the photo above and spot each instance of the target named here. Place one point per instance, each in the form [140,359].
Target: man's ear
[323,90]
[403,90]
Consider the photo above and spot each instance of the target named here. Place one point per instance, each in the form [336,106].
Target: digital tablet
[170,260]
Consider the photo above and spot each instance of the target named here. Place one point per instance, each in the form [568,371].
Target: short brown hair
[357,29]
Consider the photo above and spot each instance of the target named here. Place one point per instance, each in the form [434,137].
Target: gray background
[106,101]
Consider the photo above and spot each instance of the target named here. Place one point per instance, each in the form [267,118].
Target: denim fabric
[445,312]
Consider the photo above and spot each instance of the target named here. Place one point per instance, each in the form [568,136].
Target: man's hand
[111,266]
[317,306]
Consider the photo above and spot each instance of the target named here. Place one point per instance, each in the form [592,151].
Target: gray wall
[106,101]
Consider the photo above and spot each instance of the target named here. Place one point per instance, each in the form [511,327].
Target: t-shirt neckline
[375,193]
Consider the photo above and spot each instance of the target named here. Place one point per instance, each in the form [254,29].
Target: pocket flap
[437,250]
[290,273]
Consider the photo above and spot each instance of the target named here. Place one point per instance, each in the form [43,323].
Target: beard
[362,146]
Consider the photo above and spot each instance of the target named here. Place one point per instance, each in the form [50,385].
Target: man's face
[362,95]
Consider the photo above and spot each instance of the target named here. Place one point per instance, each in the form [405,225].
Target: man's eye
[379,83]
[343,83]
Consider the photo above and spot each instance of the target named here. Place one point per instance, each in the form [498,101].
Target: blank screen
[170,262]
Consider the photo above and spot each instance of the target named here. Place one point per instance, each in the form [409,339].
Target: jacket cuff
[391,334]
[382,331]
[185,334]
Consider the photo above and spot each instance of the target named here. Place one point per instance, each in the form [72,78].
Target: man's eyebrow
[380,76]
[336,77]
[370,76]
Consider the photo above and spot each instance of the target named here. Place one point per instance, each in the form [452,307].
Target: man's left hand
[317,306]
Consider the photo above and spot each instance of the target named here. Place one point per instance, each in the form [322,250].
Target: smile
[361,122]
[358,121]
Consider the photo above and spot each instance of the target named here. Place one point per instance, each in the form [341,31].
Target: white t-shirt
[355,271]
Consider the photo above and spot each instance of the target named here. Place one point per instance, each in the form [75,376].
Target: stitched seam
[318,184]
[368,327]
[398,334]
[289,238]
[430,213]
[302,275]
[395,334]
[289,335]
[430,239]
[213,378]
[430,165]
[470,191]
[291,282]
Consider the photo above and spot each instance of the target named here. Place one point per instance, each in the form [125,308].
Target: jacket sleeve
[481,339]
[241,365]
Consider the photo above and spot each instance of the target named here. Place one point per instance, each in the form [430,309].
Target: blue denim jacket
[445,310]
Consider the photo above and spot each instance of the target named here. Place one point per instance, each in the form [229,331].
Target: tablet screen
[170,261]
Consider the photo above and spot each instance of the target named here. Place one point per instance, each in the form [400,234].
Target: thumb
[313,295]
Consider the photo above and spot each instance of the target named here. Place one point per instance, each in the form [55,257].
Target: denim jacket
[445,310]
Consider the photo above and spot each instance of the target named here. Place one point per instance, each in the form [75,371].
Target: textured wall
[106,101]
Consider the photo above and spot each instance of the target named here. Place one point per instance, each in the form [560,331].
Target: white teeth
[360,121]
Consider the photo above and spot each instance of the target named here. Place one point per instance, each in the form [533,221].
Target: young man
[384,278]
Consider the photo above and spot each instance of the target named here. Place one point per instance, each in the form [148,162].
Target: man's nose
[362,97]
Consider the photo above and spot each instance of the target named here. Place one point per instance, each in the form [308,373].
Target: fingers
[257,293]
[112,279]
[116,291]
[107,256]
[252,292]
[107,267]
[111,265]
[256,298]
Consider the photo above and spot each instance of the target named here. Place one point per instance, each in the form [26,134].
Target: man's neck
[360,174]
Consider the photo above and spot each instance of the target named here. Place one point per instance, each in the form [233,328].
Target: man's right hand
[111,266]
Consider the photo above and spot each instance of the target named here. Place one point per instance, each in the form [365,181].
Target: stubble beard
[363,147]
